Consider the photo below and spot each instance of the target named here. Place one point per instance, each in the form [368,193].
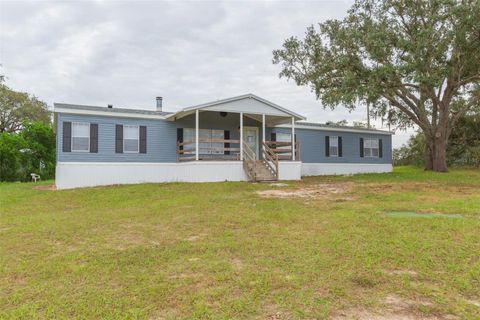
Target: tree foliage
[463,146]
[415,62]
[18,107]
[31,150]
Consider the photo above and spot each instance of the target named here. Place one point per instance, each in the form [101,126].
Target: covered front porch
[236,129]
[203,143]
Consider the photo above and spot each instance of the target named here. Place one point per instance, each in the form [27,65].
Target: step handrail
[271,159]
[249,157]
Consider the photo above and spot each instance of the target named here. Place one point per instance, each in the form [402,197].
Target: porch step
[262,172]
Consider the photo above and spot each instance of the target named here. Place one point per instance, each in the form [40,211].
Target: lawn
[325,247]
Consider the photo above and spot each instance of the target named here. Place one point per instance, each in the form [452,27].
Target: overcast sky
[126,53]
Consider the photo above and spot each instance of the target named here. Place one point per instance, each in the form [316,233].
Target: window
[130,139]
[80,136]
[204,147]
[333,152]
[370,148]
[284,137]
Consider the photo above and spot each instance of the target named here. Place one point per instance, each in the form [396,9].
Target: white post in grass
[241,136]
[196,135]
[263,132]
[293,138]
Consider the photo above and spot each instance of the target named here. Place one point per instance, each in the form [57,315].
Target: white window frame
[371,148]
[138,139]
[71,138]
[330,145]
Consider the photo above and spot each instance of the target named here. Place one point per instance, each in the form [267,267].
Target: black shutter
[180,137]
[119,138]
[327,146]
[273,136]
[67,137]
[93,138]
[361,148]
[226,136]
[340,147]
[380,148]
[143,139]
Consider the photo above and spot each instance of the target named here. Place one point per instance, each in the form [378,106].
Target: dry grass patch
[394,307]
[48,187]
[316,191]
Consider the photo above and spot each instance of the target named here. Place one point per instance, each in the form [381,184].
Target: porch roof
[249,104]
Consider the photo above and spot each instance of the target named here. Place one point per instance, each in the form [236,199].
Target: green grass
[221,251]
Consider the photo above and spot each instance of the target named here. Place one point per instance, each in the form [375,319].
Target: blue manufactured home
[237,139]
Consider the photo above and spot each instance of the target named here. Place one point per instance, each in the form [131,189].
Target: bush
[32,150]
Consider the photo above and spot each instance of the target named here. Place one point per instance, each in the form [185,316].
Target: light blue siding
[161,140]
[162,137]
[312,148]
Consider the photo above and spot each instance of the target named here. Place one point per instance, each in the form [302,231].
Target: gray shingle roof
[112,110]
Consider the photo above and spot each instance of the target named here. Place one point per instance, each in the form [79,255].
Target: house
[236,139]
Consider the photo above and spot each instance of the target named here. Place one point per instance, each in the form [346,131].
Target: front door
[250,137]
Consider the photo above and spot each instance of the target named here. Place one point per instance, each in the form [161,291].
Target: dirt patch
[48,187]
[475,303]
[314,191]
[401,273]
[395,308]
[278,184]
[237,263]
[273,313]
[193,238]
[278,316]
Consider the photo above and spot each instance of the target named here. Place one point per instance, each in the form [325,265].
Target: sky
[126,53]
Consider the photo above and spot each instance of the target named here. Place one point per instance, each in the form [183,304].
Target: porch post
[293,138]
[241,136]
[196,135]
[263,132]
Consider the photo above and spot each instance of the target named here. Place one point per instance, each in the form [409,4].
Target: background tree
[18,107]
[463,145]
[414,62]
[38,154]
[10,155]
[31,150]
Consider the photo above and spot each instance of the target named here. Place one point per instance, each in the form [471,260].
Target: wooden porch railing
[270,158]
[186,150]
[249,162]
[284,149]
[277,150]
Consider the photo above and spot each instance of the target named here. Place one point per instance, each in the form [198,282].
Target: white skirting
[89,174]
[318,169]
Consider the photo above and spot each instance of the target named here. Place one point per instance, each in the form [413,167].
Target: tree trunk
[429,155]
[440,155]
[436,152]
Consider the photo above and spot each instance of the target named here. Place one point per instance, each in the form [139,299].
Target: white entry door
[250,137]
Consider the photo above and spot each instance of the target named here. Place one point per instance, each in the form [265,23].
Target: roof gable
[249,104]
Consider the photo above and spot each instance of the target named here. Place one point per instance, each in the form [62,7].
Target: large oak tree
[414,61]
[16,108]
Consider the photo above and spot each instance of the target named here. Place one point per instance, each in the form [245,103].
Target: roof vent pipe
[159,103]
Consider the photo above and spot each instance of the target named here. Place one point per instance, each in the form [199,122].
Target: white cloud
[126,53]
